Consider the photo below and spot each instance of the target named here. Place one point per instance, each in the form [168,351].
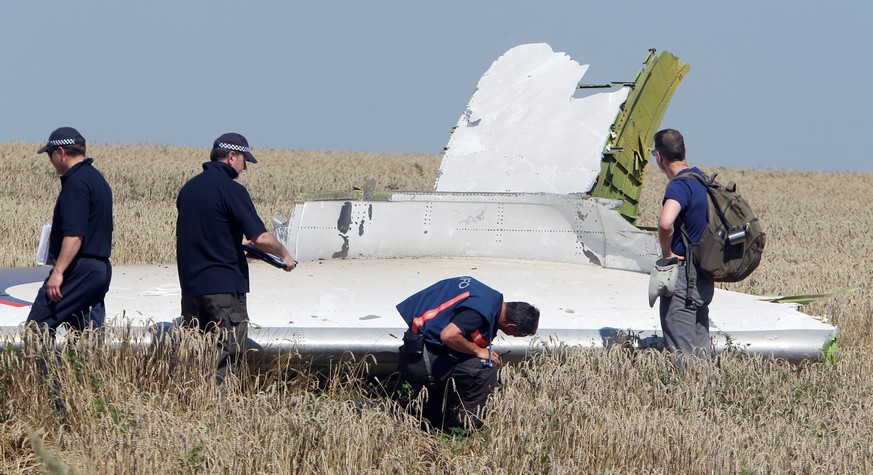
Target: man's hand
[452,337]
[267,243]
[495,358]
[290,263]
[53,286]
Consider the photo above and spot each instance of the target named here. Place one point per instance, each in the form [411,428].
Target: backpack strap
[690,268]
[427,364]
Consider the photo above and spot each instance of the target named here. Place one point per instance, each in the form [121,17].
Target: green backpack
[733,241]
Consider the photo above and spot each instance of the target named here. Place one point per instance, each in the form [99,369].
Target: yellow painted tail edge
[627,150]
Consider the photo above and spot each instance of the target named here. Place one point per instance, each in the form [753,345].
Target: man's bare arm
[666,224]
[452,337]
[268,243]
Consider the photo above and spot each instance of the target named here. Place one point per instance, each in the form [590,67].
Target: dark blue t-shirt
[214,213]
[691,195]
[83,208]
[474,326]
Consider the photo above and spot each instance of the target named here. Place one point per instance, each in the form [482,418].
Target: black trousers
[460,390]
[226,314]
[86,282]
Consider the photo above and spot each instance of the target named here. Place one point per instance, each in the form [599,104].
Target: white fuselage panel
[546,227]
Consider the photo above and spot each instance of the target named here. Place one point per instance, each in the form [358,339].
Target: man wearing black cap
[214,213]
[80,240]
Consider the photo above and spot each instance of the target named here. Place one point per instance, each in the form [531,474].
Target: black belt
[96,258]
[52,262]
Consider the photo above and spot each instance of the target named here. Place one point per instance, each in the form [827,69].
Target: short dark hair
[218,154]
[670,144]
[525,316]
[74,150]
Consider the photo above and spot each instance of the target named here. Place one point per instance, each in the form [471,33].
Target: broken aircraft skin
[536,197]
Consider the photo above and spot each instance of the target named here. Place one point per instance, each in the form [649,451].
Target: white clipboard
[43,248]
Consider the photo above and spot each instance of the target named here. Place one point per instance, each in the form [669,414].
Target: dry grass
[579,412]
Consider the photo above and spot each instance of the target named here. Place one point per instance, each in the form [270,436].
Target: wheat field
[612,411]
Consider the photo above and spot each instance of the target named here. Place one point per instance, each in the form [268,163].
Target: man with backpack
[685,314]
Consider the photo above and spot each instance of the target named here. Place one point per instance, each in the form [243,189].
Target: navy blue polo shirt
[214,213]
[474,326]
[84,208]
[691,195]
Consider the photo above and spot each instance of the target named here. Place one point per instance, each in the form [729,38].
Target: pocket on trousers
[226,308]
[218,303]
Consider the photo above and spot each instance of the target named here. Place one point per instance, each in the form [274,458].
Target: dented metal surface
[548,227]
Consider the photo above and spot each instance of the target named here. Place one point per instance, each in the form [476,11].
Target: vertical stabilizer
[628,148]
[524,131]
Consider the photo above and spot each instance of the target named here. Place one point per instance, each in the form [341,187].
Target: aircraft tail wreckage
[537,197]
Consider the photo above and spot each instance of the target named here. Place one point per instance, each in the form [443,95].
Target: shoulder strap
[706,181]
[690,269]
[427,365]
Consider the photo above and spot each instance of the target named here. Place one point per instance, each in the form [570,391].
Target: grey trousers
[223,313]
[685,321]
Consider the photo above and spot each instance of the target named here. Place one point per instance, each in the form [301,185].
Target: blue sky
[779,84]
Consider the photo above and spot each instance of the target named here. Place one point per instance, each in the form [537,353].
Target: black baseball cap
[235,142]
[63,136]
